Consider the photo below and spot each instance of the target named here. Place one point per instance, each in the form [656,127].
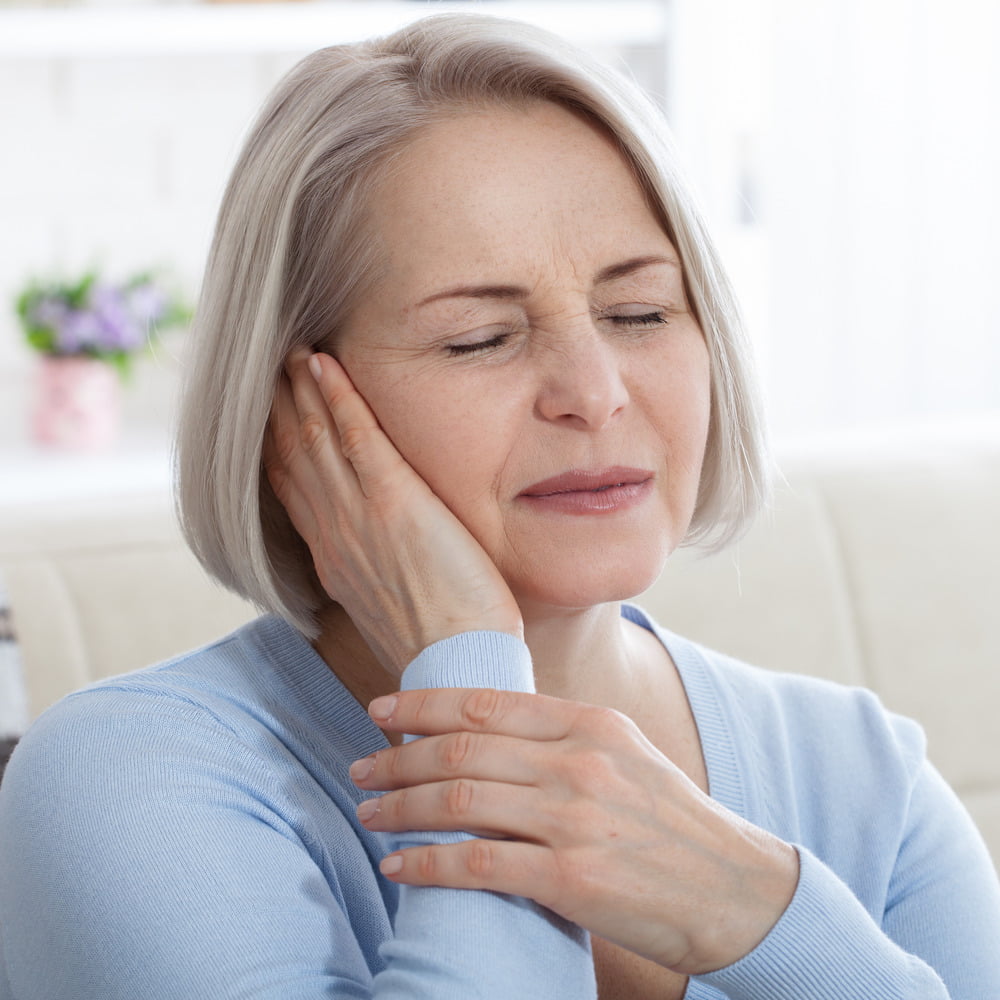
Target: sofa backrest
[879,566]
[104,590]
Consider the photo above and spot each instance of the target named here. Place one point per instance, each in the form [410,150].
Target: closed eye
[498,340]
[643,320]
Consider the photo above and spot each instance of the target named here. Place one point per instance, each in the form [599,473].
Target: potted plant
[88,333]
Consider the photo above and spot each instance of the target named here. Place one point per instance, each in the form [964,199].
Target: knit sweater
[188,831]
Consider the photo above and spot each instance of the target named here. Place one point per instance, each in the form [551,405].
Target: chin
[586,583]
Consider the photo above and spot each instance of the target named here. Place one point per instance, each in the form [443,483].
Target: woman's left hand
[574,808]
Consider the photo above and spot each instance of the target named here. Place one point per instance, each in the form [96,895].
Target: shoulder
[200,688]
[809,713]
[795,750]
[119,725]
[159,798]
[822,736]
[806,712]
[233,684]
[240,706]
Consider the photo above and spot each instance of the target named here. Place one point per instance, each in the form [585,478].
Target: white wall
[117,160]
[869,134]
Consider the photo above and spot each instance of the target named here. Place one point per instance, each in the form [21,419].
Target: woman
[513,384]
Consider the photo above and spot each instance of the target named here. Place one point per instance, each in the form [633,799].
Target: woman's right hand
[385,547]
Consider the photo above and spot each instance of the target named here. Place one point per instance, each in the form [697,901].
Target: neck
[348,655]
[588,654]
[593,655]
[574,651]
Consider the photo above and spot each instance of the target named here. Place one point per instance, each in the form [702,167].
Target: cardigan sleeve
[149,850]
[937,937]
[144,855]
[455,943]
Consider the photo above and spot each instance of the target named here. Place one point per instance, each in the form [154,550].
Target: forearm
[460,943]
[826,947]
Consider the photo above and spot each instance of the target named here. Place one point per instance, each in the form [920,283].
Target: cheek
[677,395]
[450,439]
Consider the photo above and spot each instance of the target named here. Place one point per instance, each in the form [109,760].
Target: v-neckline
[725,781]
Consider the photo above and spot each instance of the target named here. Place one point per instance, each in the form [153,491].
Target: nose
[582,385]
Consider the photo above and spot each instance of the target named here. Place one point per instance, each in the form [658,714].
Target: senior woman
[467,372]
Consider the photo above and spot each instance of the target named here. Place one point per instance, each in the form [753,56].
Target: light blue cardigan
[188,831]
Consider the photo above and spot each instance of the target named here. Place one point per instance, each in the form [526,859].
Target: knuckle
[458,798]
[548,887]
[574,878]
[286,444]
[605,722]
[419,705]
[312,433]
[394,805]
[483,708]
[427,865]
[480,859]
[587,770]
[455,751]
[592,761]
[389,765]
[278,478]
[353,443]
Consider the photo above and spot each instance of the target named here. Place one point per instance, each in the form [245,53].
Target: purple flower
[96,318]
[117,329]
[147,303]
[79,331]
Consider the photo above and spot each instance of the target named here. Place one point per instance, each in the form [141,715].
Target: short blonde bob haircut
[292,252]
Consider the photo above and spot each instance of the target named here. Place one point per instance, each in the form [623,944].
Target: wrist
[486,658]
[762,887]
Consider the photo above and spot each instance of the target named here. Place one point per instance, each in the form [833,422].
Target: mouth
[585,491]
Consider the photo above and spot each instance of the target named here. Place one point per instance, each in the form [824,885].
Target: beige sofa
[879,565]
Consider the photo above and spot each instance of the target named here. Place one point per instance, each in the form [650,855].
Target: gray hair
[292,252]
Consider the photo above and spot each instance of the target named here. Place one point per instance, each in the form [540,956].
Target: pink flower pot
[77,404]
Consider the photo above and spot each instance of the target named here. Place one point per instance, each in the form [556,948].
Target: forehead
[493,186]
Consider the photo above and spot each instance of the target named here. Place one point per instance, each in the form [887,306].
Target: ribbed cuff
[473,660]
[826,946]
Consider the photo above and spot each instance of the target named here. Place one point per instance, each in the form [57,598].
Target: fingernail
[391,865]
[315,368]
[382,708]
[367,810]
[360,769]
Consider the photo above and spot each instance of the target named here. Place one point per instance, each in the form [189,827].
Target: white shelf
[36,475]
[279,27]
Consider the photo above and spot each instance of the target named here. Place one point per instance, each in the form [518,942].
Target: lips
[585,491]
[585,481]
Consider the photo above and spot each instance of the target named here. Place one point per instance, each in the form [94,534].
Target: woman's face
[529,350]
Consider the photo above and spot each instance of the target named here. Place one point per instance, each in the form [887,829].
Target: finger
[377,464]
[441,758]
[511,867]
[318,435]
[482,808]
[433,711]
[292,474]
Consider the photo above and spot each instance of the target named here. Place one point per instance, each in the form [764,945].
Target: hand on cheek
[572,807]
[384,546]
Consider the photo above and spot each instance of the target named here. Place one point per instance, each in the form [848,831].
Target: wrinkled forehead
[484,188]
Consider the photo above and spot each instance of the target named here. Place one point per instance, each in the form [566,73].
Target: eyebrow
[611,273]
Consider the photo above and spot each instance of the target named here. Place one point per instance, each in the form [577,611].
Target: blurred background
[846,153]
